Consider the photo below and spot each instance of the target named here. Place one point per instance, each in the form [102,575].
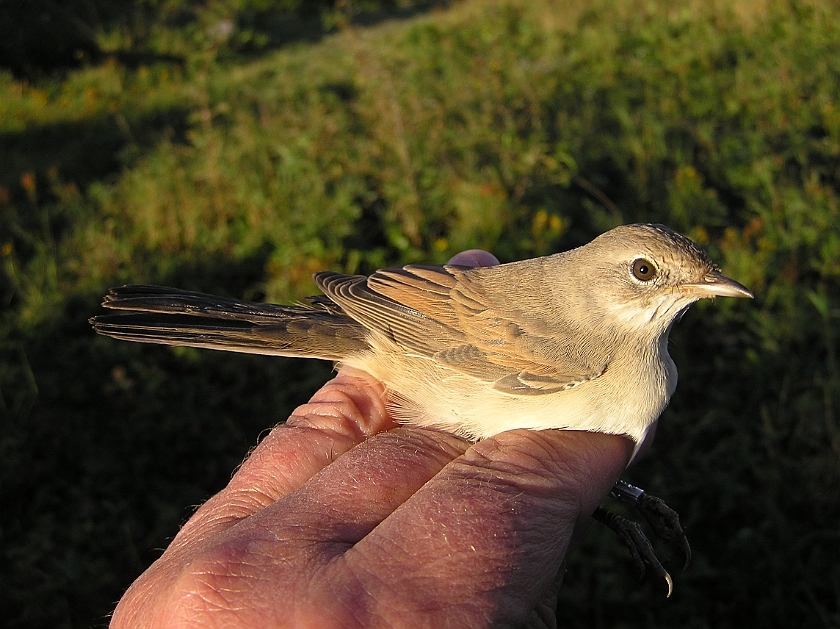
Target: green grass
[201,160]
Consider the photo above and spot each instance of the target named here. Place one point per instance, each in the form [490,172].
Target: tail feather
[171,316]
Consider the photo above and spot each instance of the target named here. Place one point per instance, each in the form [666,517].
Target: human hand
[342,518]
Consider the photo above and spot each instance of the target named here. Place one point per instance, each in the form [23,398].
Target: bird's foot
[664,521]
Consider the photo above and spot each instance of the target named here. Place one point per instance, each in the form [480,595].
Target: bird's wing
[439,313]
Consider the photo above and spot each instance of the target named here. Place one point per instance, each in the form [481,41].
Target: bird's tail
[169,316]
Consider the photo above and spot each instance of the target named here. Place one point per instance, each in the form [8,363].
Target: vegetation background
[236,146]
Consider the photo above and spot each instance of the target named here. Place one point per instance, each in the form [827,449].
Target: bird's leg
[664,521]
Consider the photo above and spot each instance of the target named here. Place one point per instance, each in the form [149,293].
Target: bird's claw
[637,543]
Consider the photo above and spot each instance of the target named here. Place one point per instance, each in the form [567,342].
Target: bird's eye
[643,270]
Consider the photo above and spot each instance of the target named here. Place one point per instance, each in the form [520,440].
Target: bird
[577,340]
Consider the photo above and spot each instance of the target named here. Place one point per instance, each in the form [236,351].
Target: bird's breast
[626,399]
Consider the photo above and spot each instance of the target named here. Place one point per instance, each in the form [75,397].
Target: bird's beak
[716,284]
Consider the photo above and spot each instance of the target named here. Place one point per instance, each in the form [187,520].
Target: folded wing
[441,313]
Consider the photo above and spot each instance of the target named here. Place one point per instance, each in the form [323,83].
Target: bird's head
[644,276]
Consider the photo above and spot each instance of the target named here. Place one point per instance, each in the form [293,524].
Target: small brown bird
[576,340]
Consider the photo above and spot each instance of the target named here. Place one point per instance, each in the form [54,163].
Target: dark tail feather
[171,316]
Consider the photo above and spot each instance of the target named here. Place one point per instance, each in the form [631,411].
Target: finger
[544,615]
[498,519]
[433,558]
[475,257]
[345,501]
[276,558]
[343,413]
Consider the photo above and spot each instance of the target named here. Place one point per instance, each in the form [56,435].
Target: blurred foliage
[201,147]
[43,36]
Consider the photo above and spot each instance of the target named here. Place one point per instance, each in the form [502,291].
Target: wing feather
[445,313]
